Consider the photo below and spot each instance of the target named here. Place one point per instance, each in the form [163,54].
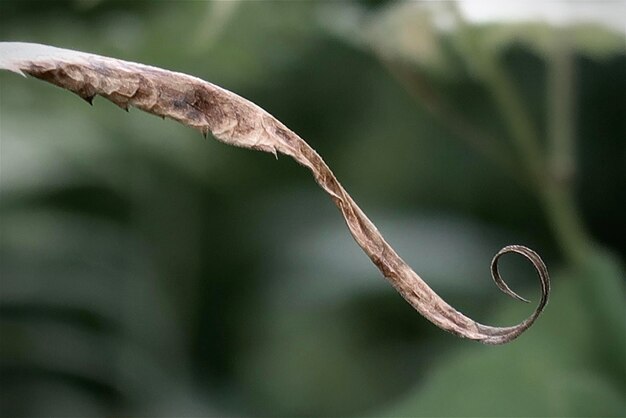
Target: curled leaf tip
[239,122]
[537,263]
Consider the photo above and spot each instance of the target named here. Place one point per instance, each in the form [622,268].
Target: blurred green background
[146,271]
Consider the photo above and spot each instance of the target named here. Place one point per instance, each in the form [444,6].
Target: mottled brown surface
[237,121]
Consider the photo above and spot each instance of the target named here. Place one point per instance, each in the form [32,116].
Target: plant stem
[565,222]
[502,89]
[454,121]
[551,188]
[561,107]
[558,192]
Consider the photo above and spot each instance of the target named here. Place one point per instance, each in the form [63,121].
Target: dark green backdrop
[147,271]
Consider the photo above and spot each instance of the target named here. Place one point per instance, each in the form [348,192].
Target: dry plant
[237,121]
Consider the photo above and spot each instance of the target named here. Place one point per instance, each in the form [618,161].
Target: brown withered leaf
[237,121]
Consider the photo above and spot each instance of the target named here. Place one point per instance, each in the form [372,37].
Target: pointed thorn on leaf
[88,99]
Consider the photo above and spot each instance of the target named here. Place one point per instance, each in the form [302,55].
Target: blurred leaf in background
[146,271]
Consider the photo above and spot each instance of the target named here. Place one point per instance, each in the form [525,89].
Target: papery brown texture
[237,121]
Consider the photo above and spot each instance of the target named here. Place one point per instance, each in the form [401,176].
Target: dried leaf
[237,121]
